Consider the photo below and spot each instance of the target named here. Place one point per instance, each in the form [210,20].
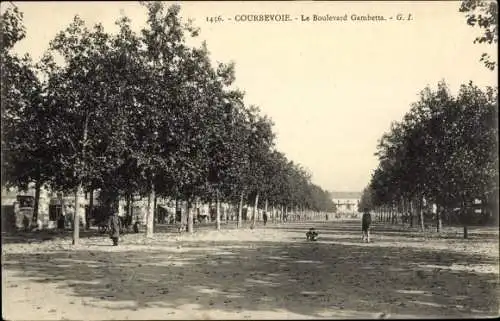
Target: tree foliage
[141,113]
[444,151]
[483,14]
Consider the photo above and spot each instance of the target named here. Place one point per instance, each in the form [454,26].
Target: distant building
[19,204]
[346,202]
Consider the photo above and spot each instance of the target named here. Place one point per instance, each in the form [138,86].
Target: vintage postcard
[249,160]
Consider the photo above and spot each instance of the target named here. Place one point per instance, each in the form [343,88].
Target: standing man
[114,227]
[365,224]
[264,216]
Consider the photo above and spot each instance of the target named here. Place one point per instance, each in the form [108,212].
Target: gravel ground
[264,273]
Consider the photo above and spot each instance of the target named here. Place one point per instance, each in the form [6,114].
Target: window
[26,201]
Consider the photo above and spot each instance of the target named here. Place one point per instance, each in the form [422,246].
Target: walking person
[114,227]
[264,216]
[365,225]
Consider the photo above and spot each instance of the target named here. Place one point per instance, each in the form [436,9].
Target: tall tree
[25,143]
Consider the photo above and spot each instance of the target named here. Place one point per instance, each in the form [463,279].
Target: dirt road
[265,273]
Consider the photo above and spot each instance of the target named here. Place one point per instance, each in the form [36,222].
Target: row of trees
[443,156]
[444,152]
[140,113]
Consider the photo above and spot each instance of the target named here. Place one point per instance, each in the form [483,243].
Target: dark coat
[114,226]
[366,220]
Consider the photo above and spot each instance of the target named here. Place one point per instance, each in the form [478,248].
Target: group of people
[114,227]
[366,221]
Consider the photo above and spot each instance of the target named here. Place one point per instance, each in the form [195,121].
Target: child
[365,225]
[312,235]
[136,227]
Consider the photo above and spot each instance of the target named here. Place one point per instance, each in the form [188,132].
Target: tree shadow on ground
[308,278]
[349,227]
[45,235]
[22,237]
[198,226]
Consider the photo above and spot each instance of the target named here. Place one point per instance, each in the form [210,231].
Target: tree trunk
[76,223]
[439,225]
[225,212]
[421,213]
[38,186]
[127,206]
[240,212]
[76,219]
[189,212]
[176,210]
[217,210]
[155,211]
[210,210]
[411,212]
[91,207]
[150,213]
[129,210]
[403,210]
[265,208]
[255,210]
[468,210]
[184,215]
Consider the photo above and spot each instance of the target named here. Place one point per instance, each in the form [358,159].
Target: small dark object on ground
[312,234]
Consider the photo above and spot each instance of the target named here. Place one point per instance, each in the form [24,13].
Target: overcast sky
[331,88]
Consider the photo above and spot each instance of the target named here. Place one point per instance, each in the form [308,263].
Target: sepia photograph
[235,160]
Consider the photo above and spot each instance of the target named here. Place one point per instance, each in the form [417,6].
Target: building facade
[346,202]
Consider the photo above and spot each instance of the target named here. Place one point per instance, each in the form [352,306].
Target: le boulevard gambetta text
[284,18]
[355,17]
